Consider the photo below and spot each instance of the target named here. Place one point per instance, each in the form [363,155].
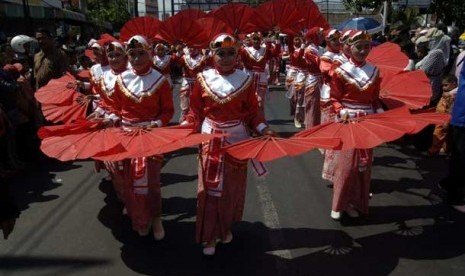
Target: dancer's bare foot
[209,248]
[158,230]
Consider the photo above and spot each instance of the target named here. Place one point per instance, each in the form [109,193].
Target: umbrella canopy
[361,23]
[267,148]
[411,89]
[367,131]
[57,91]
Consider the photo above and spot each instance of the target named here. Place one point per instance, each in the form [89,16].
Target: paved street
[72,224]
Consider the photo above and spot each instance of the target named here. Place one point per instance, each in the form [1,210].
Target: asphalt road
[72,224]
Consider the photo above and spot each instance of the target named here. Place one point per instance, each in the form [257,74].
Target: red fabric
[79,145]
[214,26]
[157,106]
[237,16]
[142,208]
[266,148]
[412,89]
[79,126]
[67,113]
[145,25]
[182,28]
[216,215]
[276,14]
[342,90]
[244,107]
[57,91]
[351,180]
[312,104]
[429,117]
[138,142]
[368,131]
[310,16]
[389,58]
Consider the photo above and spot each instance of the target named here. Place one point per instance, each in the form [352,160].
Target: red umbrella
[411,89]
[192,14]
[389,58]
[57,91]
[141,142]
[276,14]
[67,113]
[267,148]
[80,145]
[182,29]
[367,131]
[146,26]
[213,26]
[237,16]
[79,126]
[427,117]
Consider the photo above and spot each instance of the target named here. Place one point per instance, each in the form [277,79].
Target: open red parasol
[57,91]
[80,145]
[276,14]
[237,16]
[427,117]
[411,89]
[182,29]
[213,26]
[141,142]
[145,25]
[389,58]
[367,131]
[267,148]
[67,113]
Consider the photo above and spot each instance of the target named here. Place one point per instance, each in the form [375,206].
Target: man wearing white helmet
[21,44]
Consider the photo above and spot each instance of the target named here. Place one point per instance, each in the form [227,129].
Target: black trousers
[454,183]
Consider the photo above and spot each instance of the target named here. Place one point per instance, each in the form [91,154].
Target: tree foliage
[115,12]
[358,6]
[449,11]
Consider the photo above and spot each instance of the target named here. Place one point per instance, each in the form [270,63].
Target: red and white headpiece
[115,46]
[332,34]
[357,36]
[138,42]
[223,41]
[345,36]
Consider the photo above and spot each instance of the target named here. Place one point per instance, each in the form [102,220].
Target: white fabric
[224,85]
[362,77]
[255,54]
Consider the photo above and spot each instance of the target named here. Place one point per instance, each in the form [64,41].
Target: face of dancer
[225,58]
[360,50]
[335,43]
[116,60]
[139,58]
[297,42]
[159,51]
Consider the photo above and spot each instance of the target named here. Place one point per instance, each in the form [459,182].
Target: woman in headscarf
[143,98]
[354,92]
[223,101]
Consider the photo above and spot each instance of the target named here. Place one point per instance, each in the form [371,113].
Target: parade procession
[245,97]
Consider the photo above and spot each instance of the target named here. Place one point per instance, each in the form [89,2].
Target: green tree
[357,6]
[115,12]
[449,11]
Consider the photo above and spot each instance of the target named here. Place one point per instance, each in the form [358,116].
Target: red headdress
[357,36]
